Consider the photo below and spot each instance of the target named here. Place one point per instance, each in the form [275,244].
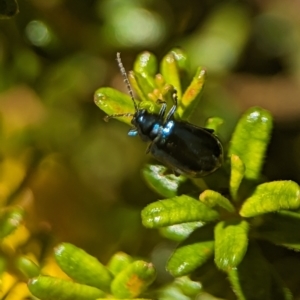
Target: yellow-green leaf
[271,197]
[250,140]
[50,288]
[82,267]
[212,198]
[133,280]
[193,252]
[236,175]
[181,209]
[231,242]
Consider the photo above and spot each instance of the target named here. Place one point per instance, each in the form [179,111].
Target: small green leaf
[271,197]
[252,278]
[180,232]
[146,64]
[112,102]
[170,72]
[119,262]
[212,198]
[231,241]
[8,8]
[189,99]
[236,175]
[181,209]
[214,123]
[82,267]
[167,185]
[144,84]
[181,59]
[27,267]
[135,85]
[193,252]
[282,229]
[133,280]
[189,287]
[50,288]
[10,220]
[250,140]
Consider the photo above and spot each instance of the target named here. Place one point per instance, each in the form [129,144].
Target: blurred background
[79,177]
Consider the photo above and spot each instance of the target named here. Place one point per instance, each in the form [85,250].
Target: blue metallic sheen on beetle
[183,147]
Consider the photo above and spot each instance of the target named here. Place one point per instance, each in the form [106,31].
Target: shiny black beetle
[183,147]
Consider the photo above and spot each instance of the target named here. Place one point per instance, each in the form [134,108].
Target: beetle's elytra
[183,147]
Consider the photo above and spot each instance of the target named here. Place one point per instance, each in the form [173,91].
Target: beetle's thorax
[147,124]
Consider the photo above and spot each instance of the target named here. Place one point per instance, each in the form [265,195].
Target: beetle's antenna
[126,80]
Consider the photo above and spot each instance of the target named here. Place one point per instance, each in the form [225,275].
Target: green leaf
[282,229]
[212,198]
[193,252]
[214,123]
[170,72]
[236,175]
[189,287]
[50,288]
[181,59]
[181,209]
[231,241]
[167,185]
[271,197]
[82,267]
[252,278]
[133,280]
[10,220]
[180,232]
[250,140]
[8,8]
[146,64]
[119,262]
[112,102]
[189,100]
[136,86]
[27,267]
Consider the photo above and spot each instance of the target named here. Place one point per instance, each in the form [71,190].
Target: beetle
[181,146]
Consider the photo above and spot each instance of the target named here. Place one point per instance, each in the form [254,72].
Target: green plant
[225,226]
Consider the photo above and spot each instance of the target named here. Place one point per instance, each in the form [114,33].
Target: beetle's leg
[173,108]
[163,107]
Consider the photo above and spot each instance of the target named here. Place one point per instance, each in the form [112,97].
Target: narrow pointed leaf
[282,229]
[170,72]
[136,87]
[181,59]
[27,267]
[49,288]
[189,99]
[212,198]
[193,252]
[133,280]
[236,175]
[181,209]
[231,242]
[112,102]
[180,232]
[10,220]
[271,197]
[119,262]
[166,185]
[252,278]
[146,66]
[250,140]
[82,267]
